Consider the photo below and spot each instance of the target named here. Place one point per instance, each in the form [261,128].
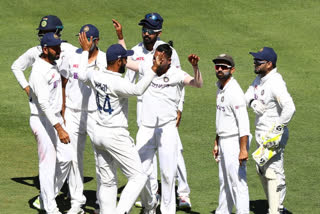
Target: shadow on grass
[63,199]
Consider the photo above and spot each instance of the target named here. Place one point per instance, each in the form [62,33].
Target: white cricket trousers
[183,186]
[115,147]
[163,139]
[55,160]
[79,124]
[232,178]
[272,175]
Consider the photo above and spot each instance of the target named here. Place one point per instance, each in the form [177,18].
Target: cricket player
[49,23]
[114,146]
[80,110]
[231,143]
[46,122]
[274,108]
[158,131]
[151,32]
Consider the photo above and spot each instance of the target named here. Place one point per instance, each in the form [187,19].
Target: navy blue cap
[90,30]
[50,39]
[266,54]
[116,51]
[50,22]
[152,21]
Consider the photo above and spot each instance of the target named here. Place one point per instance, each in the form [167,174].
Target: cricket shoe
[96,209]
[37,203]
[75,210]
[184,202]
[56,211]
[154,208]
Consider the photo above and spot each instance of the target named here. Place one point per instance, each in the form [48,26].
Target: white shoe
[75,210]
[184,202]
[37,203]
[154,208]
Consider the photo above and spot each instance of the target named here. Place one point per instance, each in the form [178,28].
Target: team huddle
[74,92]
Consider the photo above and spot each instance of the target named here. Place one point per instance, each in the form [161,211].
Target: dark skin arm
[63,135]
[243,155]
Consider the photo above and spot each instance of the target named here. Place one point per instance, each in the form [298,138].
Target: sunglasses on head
[153,17]
[259,62]
[149,31]
[222,66]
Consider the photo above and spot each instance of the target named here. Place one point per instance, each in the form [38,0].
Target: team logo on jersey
[86,29]
[44,23]
[140,58]
[55,84]
[75,65]
[222,98]
[262,92]
[165,79]
[255,96]
[55,36]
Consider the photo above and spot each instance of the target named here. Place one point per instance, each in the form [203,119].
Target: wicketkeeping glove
[272,139]
[262,155]
[258,107]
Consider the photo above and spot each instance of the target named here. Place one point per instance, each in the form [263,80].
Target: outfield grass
[206,28]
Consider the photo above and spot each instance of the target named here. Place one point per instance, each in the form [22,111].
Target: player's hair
[166,49]
[111,62]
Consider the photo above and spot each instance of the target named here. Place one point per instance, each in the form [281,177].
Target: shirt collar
[218,84]
[266,77]
[112,72]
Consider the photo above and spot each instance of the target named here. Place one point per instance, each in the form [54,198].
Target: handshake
[270,143]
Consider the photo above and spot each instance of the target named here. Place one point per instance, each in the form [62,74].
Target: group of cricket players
[78,92]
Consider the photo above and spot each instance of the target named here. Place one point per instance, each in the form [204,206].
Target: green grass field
[207,28]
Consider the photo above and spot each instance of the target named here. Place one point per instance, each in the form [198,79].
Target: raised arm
[131,64]
[195,81]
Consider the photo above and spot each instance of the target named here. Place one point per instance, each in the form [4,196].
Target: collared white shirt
[29,57]
[112,93]
[161,99]
[271,90]
[80,96]
[231,113]
[46,91]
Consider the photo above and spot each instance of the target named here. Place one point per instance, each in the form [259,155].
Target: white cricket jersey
[272,91]
[45,90]
[80,96]
[231,114]
[29,57]
[112,92]
[161,99]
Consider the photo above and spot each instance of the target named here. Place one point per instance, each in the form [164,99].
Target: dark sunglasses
[149,31]
[222,66]
[152,16]
[259,62]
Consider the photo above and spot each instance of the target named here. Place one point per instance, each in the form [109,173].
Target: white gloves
[258,107]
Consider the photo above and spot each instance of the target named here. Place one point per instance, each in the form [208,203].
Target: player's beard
[147,40]
[162,69]
[260,71]
[53,57]
[122,68]
[223,76]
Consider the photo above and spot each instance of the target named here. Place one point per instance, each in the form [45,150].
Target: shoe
[38,203]
[283,210]
[184,202]
[75,210]
[138,204]
[96,211]
[154,209]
